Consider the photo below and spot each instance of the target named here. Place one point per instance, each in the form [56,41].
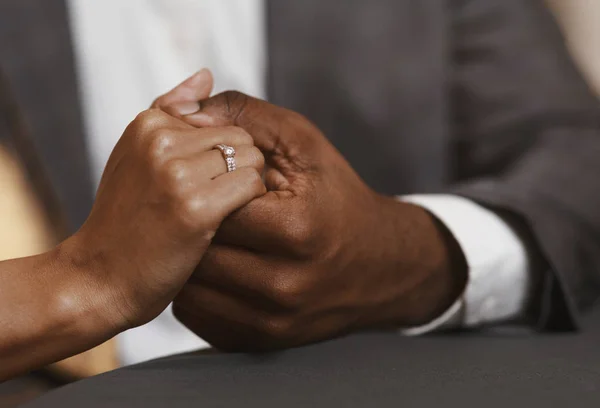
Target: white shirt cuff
[499,266]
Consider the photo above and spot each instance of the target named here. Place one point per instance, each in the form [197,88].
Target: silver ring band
[228,153]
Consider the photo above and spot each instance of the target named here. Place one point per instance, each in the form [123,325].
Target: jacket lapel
[38,68]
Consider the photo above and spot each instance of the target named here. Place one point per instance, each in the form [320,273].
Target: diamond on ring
[228,153]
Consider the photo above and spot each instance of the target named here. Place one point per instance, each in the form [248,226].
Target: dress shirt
[129,52]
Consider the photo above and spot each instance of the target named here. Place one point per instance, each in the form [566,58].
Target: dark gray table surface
[366,370]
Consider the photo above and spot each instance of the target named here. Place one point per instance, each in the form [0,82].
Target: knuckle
[160,101]
[232,96]
[288,291]
[145,116]
[156,103]
[234,102]
[252,177]
[160,142]
[256,158]
[175,172]
[279,330]
[242,137]
[191,213]
[299,233]
[148,120]
[230,93]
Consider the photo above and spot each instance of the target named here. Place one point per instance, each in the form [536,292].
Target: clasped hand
[305,253]
[320,254]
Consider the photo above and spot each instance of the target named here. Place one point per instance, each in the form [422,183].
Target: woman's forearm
[49,309]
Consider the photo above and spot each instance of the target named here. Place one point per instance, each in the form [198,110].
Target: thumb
[196,88]
[259,118]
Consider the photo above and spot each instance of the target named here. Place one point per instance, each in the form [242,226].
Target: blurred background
[580,21]
[25,228]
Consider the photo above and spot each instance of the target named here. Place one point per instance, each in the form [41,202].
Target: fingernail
[185,108]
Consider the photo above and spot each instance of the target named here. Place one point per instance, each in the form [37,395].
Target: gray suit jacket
[472,97]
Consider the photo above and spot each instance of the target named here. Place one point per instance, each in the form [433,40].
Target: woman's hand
[164,193]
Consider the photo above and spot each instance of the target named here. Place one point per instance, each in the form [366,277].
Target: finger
[275,180]
[183,143]
[290,144]
[259,278]
[147,122]
[204,203]
[274,223]
[232,324]
[230,191]
[151,130]
[264,121]
[224,321]
[211,164]
[216,331]
[201,298]
[196,88]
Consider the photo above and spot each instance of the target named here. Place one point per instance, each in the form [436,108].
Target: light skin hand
[162,197]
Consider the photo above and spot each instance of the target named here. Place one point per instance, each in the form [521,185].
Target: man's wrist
[428,264]
[498,253]
[450,280]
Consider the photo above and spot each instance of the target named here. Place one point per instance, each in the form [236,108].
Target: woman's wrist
[52,309]
[84,297]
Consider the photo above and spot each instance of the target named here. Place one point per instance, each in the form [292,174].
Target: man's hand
[320,254]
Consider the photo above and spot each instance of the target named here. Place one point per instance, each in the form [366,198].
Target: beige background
[580,20]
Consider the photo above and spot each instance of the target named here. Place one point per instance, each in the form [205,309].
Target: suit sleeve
[527,137]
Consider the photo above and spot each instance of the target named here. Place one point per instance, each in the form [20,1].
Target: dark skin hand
[321,254]
[162,197]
